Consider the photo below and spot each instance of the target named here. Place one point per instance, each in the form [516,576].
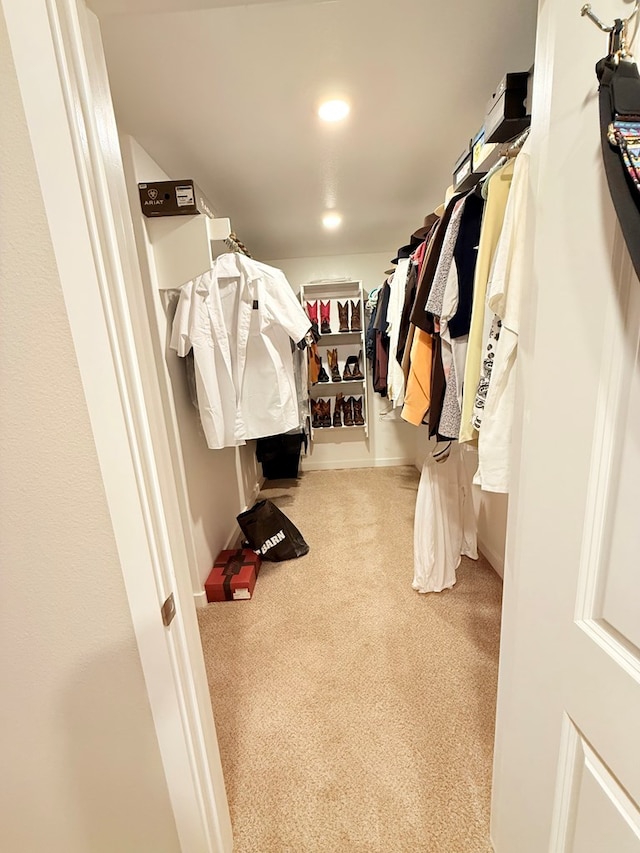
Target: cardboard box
[173,198]
[462,170]
[233,576]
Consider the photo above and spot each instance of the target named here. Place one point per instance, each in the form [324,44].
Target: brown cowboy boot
[347,411]
[357,411]
[346,375]
[332,358]
[315,414]
[343,314]
[337,411]
[326,413]
[314,365]
[356,318]
[322,373]
[356,372]
[325,318]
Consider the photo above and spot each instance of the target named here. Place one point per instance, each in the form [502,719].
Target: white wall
[81,765]
[213,485]
[390,442]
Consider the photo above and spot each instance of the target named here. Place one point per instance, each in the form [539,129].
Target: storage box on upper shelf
[462,169]
[173,198]
[508,110]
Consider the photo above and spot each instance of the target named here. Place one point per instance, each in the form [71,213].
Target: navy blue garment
[466,256]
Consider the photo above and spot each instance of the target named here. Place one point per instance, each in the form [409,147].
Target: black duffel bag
[271,534]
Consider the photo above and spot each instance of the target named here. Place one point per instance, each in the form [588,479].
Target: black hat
[408,250]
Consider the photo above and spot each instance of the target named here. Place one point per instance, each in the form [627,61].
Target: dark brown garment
[438,386]
[381,364]
[405,321]
[419,317]
[381,354]
[413,280]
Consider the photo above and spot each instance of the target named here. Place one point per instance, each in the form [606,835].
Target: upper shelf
[333,289]
[185,246]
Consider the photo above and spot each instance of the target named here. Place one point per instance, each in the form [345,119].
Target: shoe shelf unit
[342,353]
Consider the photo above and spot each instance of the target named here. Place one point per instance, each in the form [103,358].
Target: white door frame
[59,62]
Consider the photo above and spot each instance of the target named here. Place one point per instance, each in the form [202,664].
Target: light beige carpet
[353,714]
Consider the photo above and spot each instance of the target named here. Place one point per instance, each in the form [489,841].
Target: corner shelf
[334,291]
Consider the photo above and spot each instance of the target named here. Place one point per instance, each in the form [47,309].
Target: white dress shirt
[240,318]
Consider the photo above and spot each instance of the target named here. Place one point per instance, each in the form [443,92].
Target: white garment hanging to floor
[445,527]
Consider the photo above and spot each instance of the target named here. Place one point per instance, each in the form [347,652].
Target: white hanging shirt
[504,299]
[395,378]
[239,318]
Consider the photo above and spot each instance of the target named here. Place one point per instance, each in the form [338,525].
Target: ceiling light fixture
[335,110]
[331,220]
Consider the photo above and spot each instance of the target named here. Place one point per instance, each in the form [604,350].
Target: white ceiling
[226,94]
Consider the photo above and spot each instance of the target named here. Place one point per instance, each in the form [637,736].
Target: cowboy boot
[325,318]
[343,314]
[315,414]
[322,376]
[332,358]
[358,420]
[356,373]
[337,411]
[356,317]
[347,411]
[312,311]
[346,375]
[326,413]
[314,365]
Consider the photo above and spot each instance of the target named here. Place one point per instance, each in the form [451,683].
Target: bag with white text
[271,534]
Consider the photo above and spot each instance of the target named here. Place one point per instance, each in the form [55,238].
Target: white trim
[58,58]
[234,533]
[200,599]
[308,464]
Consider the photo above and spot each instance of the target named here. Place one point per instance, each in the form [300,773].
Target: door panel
[567,765]
[606,819]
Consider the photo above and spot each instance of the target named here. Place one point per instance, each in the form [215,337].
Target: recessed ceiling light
[331,220]
[334,110]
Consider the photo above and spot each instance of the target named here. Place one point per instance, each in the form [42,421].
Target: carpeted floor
[353,714]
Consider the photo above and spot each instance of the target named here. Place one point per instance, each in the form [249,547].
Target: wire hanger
[618,31]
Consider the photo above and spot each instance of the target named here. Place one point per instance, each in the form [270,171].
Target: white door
[567,763]
[63,81]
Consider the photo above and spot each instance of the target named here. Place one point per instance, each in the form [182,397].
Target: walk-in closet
[297,310]
[365,294]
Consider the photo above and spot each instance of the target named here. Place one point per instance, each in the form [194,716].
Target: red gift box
[233,575]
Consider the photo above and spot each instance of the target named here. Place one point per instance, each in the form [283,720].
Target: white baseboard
[200,598]
[308,464]
[495,559]
[233,539]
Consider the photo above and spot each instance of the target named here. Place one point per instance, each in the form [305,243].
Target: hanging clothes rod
[511,151]
[518,142]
